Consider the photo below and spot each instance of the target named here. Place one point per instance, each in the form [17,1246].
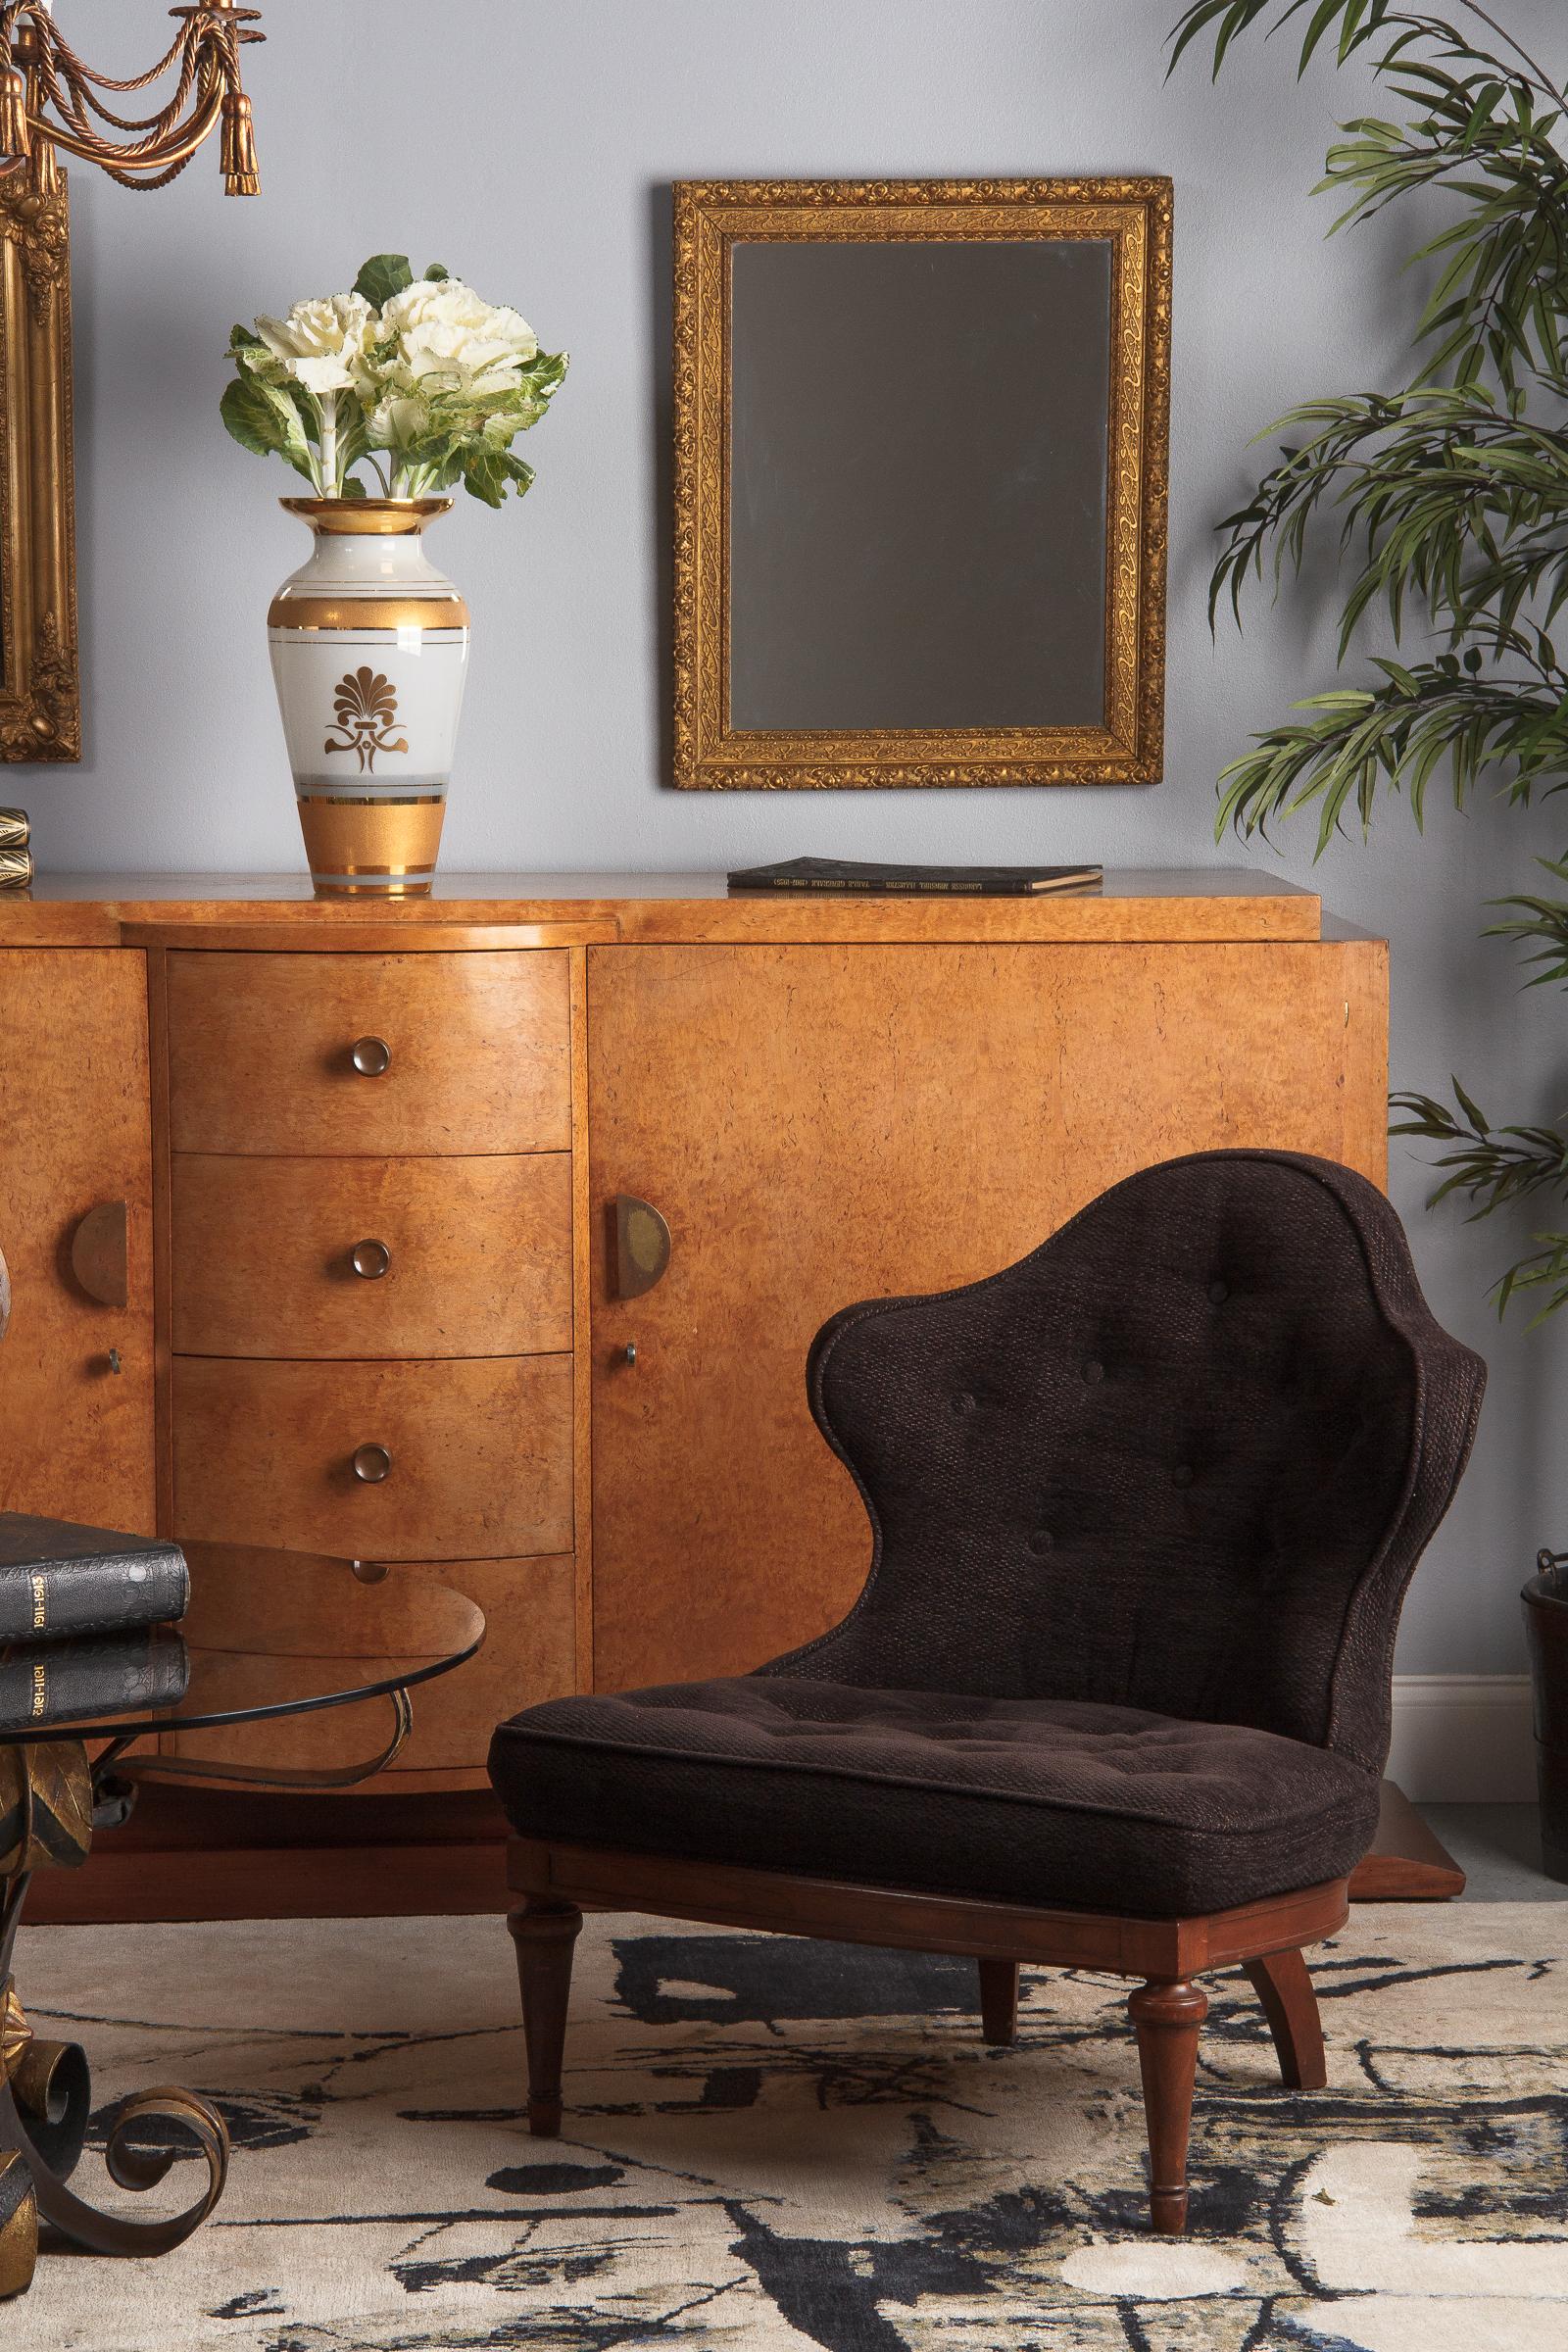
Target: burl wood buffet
[315,1214]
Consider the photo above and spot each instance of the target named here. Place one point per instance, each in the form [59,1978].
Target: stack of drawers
[371,1312]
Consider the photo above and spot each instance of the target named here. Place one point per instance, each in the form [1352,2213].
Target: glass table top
[266,1634]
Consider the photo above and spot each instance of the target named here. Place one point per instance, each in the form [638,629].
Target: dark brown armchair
[1117,1693]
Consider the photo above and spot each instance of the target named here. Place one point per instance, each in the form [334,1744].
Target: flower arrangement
[418,378]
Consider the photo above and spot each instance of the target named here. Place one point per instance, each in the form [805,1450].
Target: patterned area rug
[780,2144]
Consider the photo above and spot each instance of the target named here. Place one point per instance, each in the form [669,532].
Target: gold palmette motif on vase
[365,709]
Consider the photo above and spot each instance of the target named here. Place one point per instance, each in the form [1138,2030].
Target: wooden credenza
[370,1156]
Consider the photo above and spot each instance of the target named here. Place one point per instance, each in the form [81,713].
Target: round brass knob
[371,1464]
[371,1056]
[370,1260]
[369,1572]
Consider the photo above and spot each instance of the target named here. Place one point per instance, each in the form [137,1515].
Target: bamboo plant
[1450,502]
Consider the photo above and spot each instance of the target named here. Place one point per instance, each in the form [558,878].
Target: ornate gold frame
[40,698]
[710,217]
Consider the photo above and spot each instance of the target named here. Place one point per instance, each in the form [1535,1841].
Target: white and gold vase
[369,647]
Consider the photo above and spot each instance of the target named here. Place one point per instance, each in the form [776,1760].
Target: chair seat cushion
[1051,1802]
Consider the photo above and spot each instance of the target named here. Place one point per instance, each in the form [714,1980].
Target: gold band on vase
[367,517]
[388,847]
[367,613]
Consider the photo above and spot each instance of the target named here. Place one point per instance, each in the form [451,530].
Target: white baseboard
[1463,1739]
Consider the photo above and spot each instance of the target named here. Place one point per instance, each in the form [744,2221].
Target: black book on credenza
[834,876]
[59,1580]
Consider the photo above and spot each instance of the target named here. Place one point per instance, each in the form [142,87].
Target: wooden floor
[196,1853]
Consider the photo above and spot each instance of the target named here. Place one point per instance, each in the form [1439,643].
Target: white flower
[396,421]
[320,344]
[441,327]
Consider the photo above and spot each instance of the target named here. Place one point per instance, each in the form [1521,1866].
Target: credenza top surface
[486,910]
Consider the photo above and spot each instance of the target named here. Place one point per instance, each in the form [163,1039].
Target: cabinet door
[823,1124]
[76,1435]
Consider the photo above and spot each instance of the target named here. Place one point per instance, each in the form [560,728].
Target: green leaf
[383,275]
[262,419]
[1322,18]
[1477,1118]
[437,273]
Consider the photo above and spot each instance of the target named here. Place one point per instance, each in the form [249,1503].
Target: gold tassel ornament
[240,174]
[16,133]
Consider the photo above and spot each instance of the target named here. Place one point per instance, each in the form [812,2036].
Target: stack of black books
[82,1618]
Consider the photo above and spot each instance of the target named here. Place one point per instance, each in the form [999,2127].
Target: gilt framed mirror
[40,703]
[921,482]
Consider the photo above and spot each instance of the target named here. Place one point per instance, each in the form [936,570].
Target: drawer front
[468,1460]
[528,1655]
[371,1257]
[262,1052]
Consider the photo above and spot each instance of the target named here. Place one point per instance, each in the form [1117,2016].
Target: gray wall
[530,145]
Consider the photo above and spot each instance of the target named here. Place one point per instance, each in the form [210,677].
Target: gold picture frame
[41,692]
[710,218]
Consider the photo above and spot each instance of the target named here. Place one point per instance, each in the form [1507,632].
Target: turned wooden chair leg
[998,2001]
[1285,1988]
[543,1934]
[1167,2017]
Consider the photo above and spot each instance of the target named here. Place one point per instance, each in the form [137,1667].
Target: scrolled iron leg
[53,2090]
[46,1803]
[129,2167]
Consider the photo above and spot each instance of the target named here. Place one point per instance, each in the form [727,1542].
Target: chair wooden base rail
[558,1883]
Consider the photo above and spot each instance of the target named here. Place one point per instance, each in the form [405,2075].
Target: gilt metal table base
[46,1817]
[51,1799]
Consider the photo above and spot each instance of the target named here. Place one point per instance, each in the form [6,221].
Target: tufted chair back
[1183,1457]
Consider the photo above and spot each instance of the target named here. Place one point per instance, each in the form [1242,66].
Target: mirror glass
[919,441]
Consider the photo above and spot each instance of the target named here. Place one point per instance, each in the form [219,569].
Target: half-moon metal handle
[100,1254]
[640,1244]
[371,1056]
[371,1464]
[370,1260]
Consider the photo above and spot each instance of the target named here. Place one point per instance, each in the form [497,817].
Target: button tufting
[964,1402]
[1182,1474]
[1094,1371]
[1218,1292]
[1040,1541]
